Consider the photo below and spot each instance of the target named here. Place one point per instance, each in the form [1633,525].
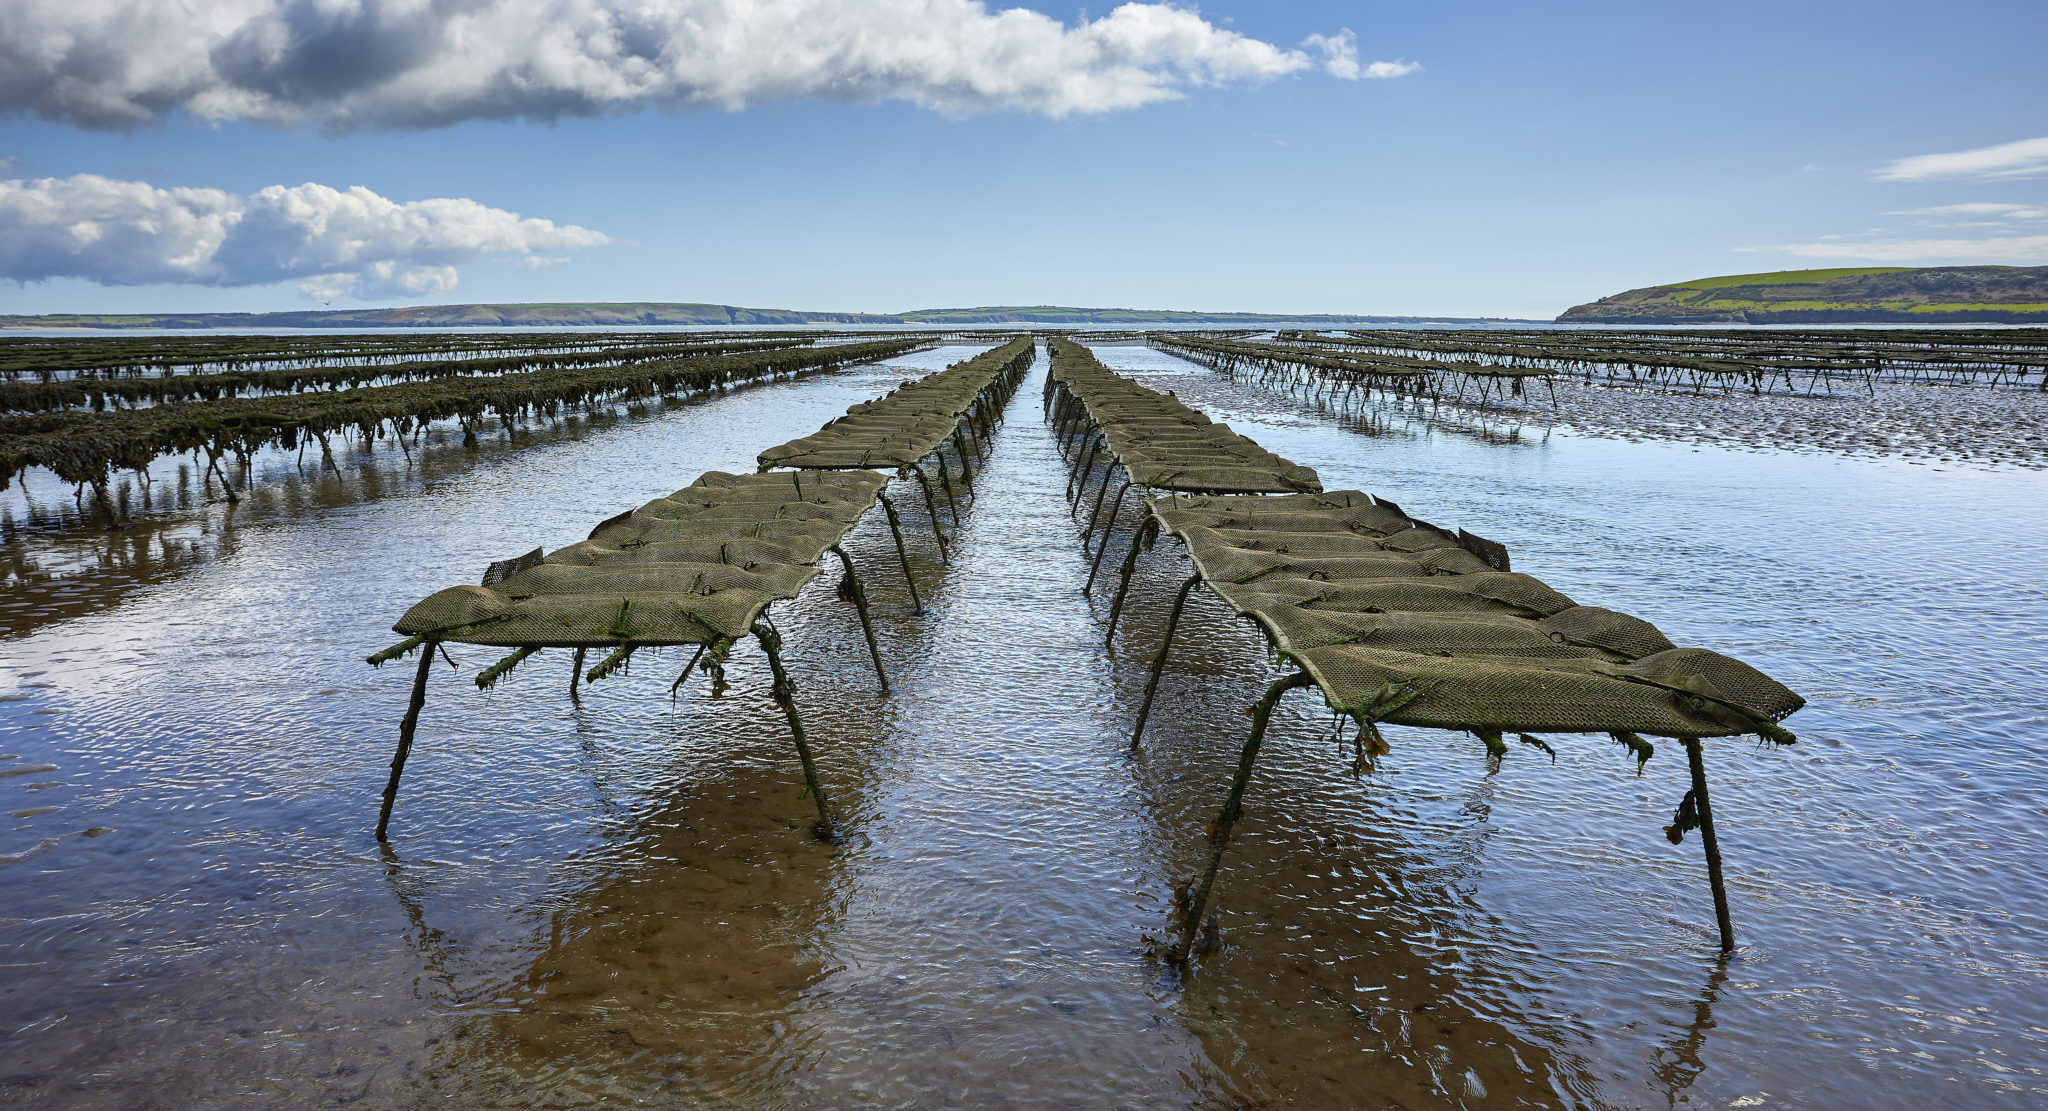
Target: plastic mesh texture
[699,565]
[908,423]
[1163,444]
[695,567]
[1397,621]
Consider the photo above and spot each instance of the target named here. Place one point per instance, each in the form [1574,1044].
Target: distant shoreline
[666,314]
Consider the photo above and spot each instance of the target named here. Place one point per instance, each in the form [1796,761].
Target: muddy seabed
[617,900]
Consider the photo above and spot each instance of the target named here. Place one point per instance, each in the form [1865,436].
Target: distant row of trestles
[91,408]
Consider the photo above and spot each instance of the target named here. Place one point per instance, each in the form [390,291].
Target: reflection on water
[1680,1062]
[654,978]
[618,898]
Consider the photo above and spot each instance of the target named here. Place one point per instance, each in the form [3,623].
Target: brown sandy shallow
[684,964]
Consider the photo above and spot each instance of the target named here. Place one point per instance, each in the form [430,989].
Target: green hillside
[1856,295]
[1788,277]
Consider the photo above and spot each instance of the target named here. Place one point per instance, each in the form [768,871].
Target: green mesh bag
[1400,621]
[908,423]
[695,567]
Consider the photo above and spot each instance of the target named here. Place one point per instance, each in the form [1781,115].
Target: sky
[1457,158]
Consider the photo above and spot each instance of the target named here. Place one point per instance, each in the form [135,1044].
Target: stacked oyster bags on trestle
[695,567]
[1161,443]
[914,420]
[1400,621]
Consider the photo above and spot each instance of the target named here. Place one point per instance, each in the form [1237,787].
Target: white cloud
[1339,51]
[1385,70]
[1987,210]
[2017,250]
[425,63]
[2020,159]
[334,242]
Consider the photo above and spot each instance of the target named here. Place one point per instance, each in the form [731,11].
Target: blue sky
[1539,157]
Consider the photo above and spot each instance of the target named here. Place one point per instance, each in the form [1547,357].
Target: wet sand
[1917,423]
[1925,424]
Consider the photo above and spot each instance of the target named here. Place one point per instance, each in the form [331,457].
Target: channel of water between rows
[617,897]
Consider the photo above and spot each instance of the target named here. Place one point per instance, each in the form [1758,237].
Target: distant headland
[633,314]
[1864,295]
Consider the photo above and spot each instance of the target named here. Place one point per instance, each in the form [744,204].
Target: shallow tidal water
[617,899]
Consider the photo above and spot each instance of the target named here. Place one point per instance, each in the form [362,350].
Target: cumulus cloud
[425,63]
[2020,159]
[1340,58]
[335,242]
[1382,71]
[2016,250]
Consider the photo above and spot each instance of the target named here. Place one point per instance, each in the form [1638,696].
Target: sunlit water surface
[617,898]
